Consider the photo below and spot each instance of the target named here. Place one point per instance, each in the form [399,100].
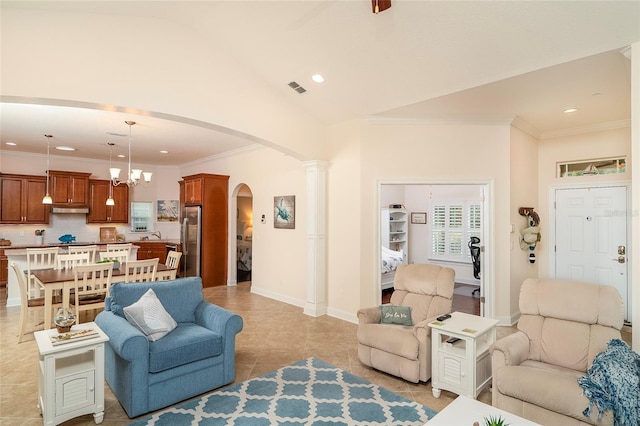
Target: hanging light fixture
[133,176]
[110,201]
[47,198]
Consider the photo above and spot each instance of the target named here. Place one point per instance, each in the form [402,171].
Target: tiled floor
[275,334]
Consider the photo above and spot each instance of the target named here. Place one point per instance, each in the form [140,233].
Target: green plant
[494,421]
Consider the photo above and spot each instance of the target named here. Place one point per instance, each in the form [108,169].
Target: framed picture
[168,210]
[284,212]
[419,218]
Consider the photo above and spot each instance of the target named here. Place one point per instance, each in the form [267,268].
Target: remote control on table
[443,317]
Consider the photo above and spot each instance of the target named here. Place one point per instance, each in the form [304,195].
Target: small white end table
[71,376]
[466,411]
[460,354]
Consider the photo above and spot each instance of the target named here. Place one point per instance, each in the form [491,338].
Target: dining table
[62,279]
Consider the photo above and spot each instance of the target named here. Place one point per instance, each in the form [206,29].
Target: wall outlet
[22,233]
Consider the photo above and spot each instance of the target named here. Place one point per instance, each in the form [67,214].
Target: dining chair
[121,256]
[127,247]
[92,250]
[173,263]
[90,287]
[141,270]
[27,305]
[39,258]
[70,261]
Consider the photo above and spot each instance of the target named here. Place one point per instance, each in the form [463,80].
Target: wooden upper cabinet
[21,199]
[193,191]
[99,212]
[69,188]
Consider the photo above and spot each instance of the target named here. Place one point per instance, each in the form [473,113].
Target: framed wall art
[419,218]
[168,210]
[284,212]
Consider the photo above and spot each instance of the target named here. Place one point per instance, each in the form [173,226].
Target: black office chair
[475,258]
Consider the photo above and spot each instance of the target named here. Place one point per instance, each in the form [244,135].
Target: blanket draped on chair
[613,382]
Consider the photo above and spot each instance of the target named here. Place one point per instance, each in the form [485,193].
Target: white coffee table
[464,411]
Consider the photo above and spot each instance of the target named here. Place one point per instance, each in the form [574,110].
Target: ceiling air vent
[295,86]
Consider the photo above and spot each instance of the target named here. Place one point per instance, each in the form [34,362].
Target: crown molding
[600,127]
[443,119]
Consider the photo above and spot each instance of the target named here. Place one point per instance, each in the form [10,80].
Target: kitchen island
[18,254]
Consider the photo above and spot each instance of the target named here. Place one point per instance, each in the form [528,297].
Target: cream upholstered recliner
[563,326]
[405,351]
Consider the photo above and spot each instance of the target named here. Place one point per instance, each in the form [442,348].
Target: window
[453,225]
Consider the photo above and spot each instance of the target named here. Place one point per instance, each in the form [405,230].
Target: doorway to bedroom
[439,223]
[244,234]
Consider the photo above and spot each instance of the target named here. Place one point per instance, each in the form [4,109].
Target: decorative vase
[64,319]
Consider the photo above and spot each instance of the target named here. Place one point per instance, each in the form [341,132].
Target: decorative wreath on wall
[530,235]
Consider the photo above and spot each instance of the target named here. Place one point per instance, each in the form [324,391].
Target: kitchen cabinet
[69,189]
[212,192]
[21,199]
[151,250]
[99,212]
[193,190]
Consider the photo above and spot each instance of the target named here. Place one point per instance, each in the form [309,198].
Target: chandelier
[133,176]
[47,198]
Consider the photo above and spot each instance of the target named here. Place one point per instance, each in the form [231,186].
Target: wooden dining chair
[28,305]
[39,258]
[91,286]
[92,250]
[69,261]
[141,270]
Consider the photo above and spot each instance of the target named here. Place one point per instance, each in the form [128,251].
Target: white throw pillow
[150,317]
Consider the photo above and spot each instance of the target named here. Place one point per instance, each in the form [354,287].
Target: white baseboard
[345,316]
[277,296]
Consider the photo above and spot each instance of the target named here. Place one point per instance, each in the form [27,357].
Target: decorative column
[316,244]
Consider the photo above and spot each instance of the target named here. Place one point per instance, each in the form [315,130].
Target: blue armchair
[197,356]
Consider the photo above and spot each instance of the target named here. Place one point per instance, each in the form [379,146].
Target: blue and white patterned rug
[309,392]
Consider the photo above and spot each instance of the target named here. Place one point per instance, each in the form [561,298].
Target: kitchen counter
[99,244]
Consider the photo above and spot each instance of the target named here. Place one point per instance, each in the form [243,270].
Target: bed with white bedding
[390,260]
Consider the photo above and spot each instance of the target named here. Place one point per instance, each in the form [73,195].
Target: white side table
[71,376]
[462,366]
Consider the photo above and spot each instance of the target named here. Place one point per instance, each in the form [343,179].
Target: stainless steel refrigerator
[191,239]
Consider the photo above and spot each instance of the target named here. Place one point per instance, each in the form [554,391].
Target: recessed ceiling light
[164,152]
[317,78]
[65,148]
[121,156]
[570,110]
[11,143]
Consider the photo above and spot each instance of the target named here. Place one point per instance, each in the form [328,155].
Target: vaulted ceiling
[430,60]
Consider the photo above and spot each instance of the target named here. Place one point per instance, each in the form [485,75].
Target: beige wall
[601,144]
[524,193]
[441,153]
[279,262]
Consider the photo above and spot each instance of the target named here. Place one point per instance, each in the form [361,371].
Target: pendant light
[133,176]
[110,201]
[47,198]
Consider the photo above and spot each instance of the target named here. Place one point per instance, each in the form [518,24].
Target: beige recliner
[405,351]
[564,325]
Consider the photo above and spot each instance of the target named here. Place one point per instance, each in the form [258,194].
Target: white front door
[591,237]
